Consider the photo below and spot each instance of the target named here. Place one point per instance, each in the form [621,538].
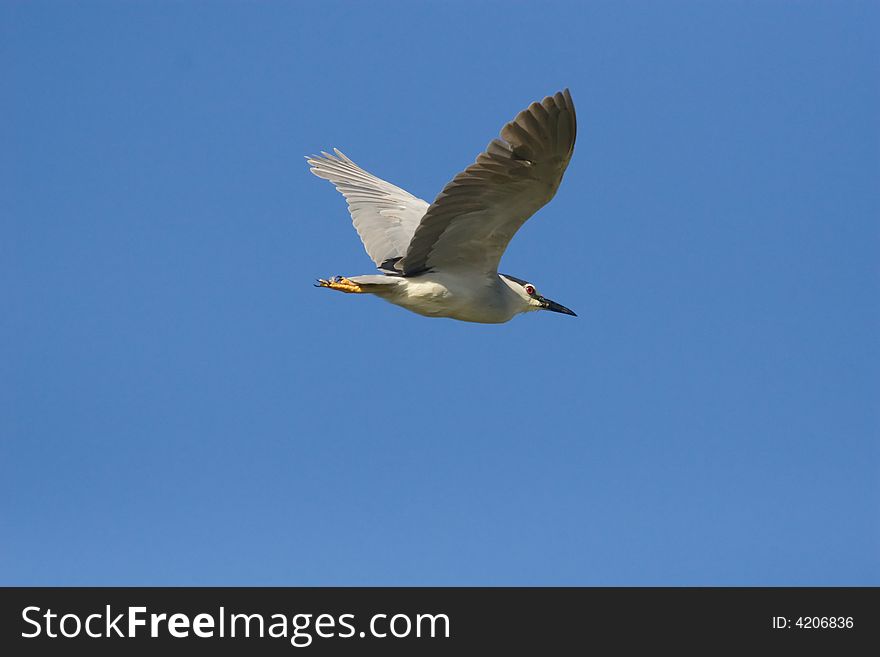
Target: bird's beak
[556,307]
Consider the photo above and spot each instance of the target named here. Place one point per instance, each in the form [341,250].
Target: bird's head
[530,297]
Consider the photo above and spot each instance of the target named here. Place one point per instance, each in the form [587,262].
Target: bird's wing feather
[385,216]
[473,219]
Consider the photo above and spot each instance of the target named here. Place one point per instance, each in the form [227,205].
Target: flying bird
[441,259]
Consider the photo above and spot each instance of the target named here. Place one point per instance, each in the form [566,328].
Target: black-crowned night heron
[441,260]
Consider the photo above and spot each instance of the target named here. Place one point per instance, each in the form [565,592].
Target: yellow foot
[340,283]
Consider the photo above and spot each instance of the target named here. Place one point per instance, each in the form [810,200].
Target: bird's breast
[466,297]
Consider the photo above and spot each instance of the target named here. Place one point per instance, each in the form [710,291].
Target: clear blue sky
[178,404]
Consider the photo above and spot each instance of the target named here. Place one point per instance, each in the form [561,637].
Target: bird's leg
[340,283]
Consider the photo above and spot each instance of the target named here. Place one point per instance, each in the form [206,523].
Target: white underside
[465,296]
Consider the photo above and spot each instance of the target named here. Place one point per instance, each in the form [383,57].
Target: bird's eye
[530,289]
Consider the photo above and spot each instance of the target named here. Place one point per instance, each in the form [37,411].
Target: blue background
[180,405]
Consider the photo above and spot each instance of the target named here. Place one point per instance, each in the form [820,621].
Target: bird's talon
[340,283]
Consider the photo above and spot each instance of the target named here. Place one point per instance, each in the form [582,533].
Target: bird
[441,259]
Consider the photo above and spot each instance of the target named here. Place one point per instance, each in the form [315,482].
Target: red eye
[530,290]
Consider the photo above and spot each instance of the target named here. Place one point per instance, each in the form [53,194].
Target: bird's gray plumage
[442,259]
[472,220]
[384,215]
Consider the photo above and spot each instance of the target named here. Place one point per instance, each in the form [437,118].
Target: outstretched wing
[473,219]
[384,215]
